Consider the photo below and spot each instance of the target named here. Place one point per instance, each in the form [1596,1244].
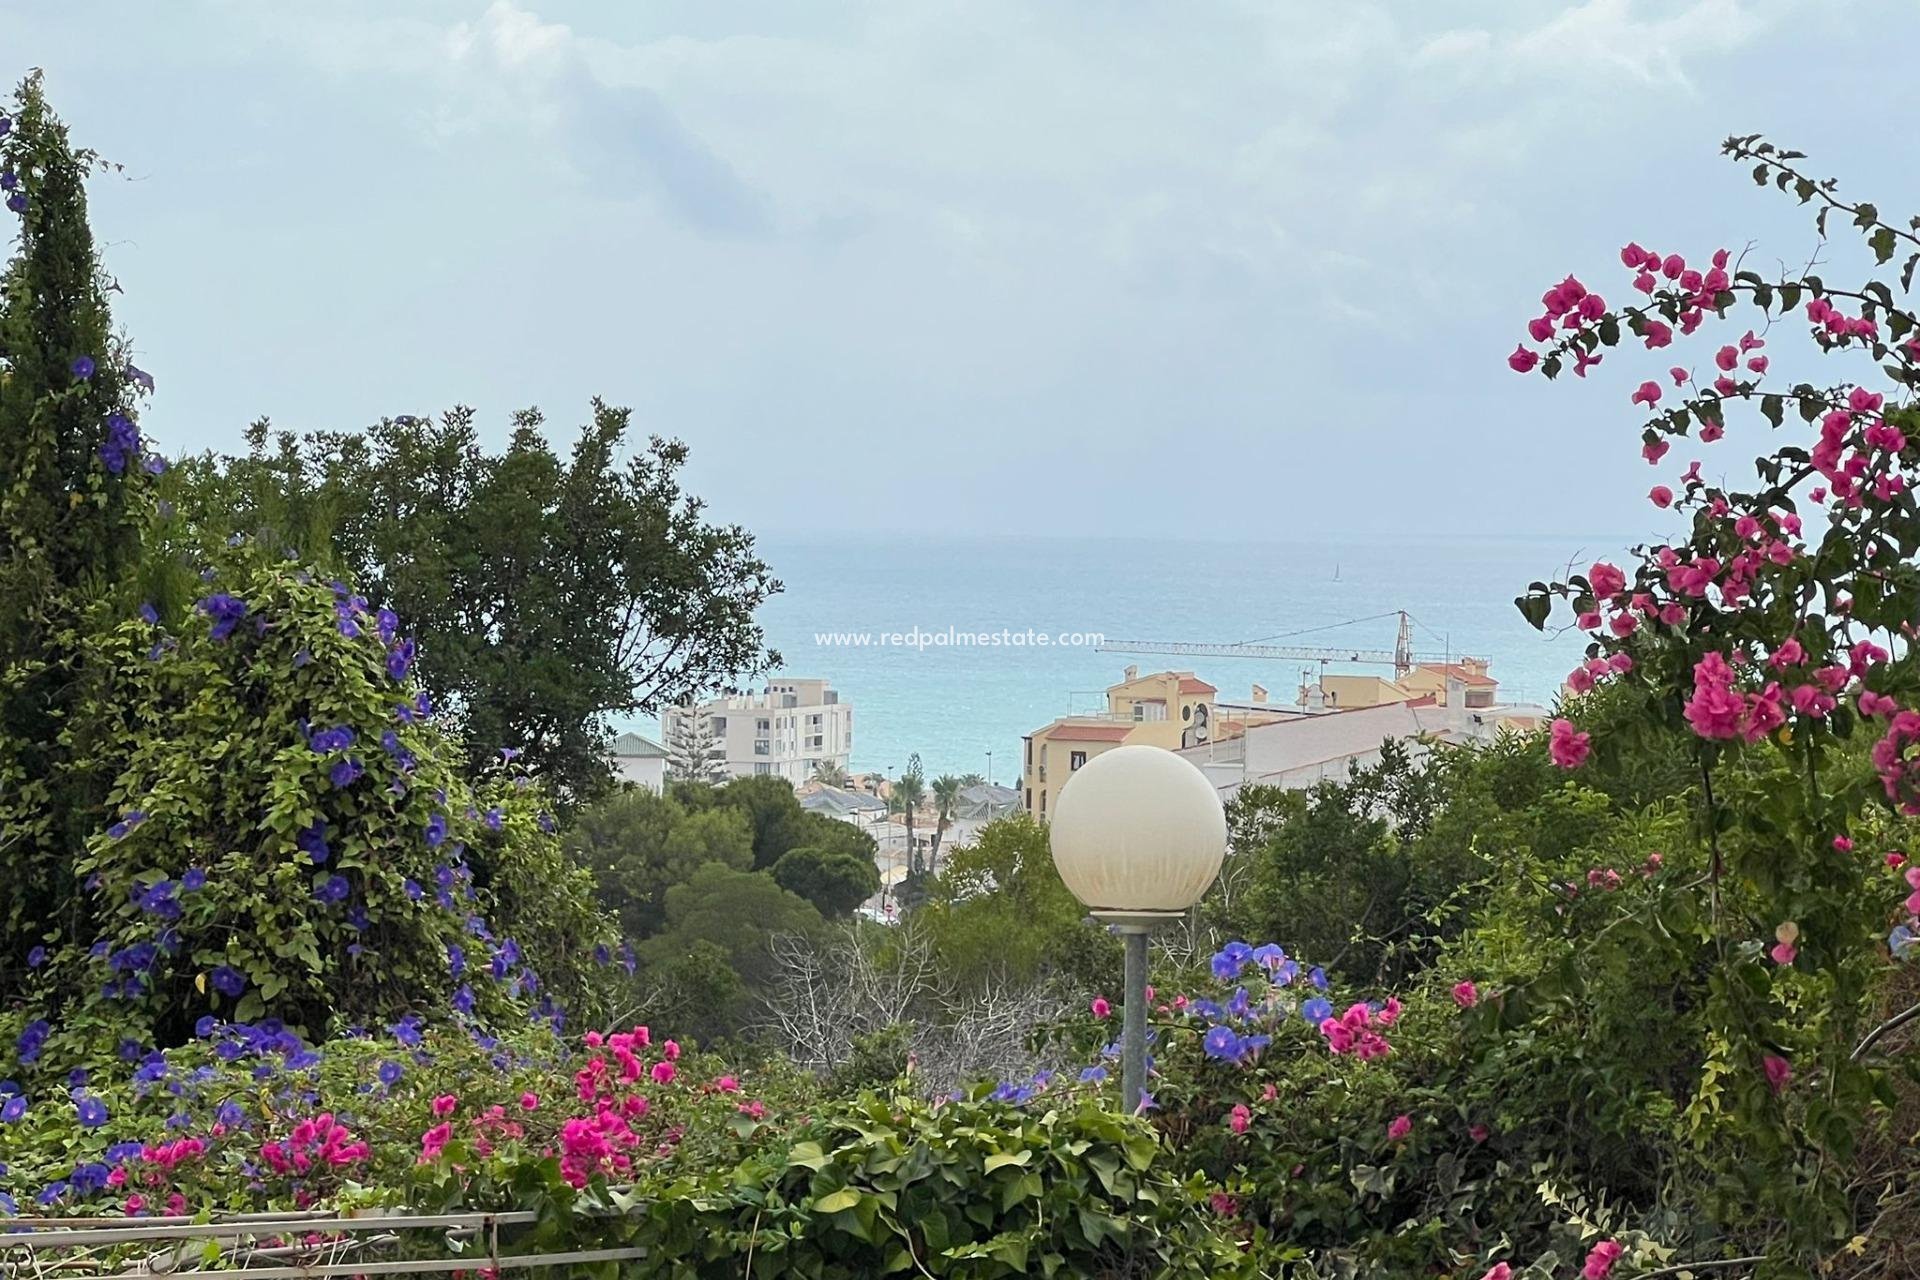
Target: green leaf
[835,1201]
[1001,1159]
[807,1155]
[1773,409]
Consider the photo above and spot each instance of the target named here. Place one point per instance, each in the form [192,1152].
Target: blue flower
[1240,1004]
[1902,941]
[1220,1042]
[1318,977]
[230,1114]
[8,178]
[139,377]
[14,1108]
[194,880]
[333,889]
[149,614]
[386,621]
[1093,1075]
[390,1073]
[205,1025]
[326,741]
[412,889]
[227,612]
[17,202]
[82,367]
[496,819]
[1229,960]
[456,959]
[1269,956]
[78,1076]
[357,917]
[436,830]
[602,954]
[120,1152]
[407,1030]
[301,657]
[92,1112]
[1317,1010]
[228,981]
[346,772]
[156,465]
[313,841]
[463,999]
[36,957]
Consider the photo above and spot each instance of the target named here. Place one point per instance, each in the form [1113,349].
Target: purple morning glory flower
[508,754]
[1220,1042]
[456,959]
[313,841]
[17,202]
[463,1000]
[205,1025]
[333,889]
[140,377]
[156,465]
[6,125]
[496,819]
[387,622]
[436,830]
[230,1114]
[82,367]
[194,880]
[1318,977]
[227,612]
[149,614]
[400,660]
[1317,1010]
[412,889]
[228,981]
[302,657]
[346,772]
[390,1073]
[36,957]
[14,1108]
[8,179]
[338,738]
[92,1112]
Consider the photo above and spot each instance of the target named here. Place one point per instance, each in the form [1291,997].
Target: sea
[963,708]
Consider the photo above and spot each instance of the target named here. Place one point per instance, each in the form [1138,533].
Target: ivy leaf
[835,1201]
[1535,609]
[1882,244]
[1773,409]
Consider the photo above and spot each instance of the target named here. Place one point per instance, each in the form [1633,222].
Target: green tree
[738,911]
[690,752]
[549,593]
[909,791]
[946,797]
[999,911]
[638,845]
[831,774]
[73,495]
[835,882]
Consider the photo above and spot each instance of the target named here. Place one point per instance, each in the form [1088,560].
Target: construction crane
[1401,657]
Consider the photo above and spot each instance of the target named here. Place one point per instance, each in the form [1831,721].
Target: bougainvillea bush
[1774,630]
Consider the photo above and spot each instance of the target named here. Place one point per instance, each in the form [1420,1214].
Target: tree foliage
[548,592]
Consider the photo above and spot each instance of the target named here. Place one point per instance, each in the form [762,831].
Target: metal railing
[279,1246]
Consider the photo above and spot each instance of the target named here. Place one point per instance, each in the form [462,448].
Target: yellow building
[1337,693]
[1430,679]
[1169,709]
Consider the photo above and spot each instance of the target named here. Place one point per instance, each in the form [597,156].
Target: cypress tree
[72,473]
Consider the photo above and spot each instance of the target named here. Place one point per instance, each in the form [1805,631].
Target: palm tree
[973,780]
[909,789]
[946,798]
[831,774]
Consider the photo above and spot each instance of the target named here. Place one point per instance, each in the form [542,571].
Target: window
[763,768]
[762,725]
[719,724]
[1029,799]
[1075,759]
[1139,711]
[761,747]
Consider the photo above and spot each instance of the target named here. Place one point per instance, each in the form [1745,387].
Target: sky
[1221,268]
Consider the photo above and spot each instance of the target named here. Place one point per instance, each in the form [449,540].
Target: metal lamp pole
[1138,834]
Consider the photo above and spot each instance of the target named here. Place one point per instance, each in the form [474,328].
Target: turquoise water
[953,705]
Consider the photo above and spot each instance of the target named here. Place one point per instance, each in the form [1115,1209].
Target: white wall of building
[788,730]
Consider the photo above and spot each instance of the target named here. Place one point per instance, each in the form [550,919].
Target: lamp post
[1138,834]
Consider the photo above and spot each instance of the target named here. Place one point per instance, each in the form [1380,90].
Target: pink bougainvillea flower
[1465,994]
[1654,450]
[1523,360]
[1498,1271]
[1843,844]
[1647,394]
[1727,358]
[1757,363]
[1660,496]
[444,1104]
[1100,1007]
[1659,334]
[1633,256]
[1399,1127]
[1540,328]
[1876,704]
[1566,746]
[1779,1071]
[1240,1118]
[1606,580]
[663,1073]
[1600,1260]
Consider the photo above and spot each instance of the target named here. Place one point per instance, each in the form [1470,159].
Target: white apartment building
[789,730]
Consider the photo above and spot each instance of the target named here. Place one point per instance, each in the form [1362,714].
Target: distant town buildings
[1170,709]
[1336,725]
[640,760]
[1306,747]
[790,730]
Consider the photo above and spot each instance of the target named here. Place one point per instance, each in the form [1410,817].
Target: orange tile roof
[1089,733]
[1454,671]
[1192,684]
